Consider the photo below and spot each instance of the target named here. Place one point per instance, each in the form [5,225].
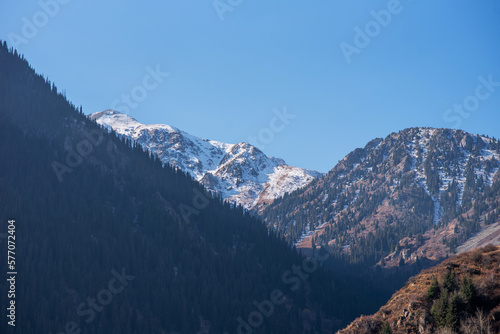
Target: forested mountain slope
[110,241]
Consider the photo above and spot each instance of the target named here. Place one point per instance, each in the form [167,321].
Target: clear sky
[348,71]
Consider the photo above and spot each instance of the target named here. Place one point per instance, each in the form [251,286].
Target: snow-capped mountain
[428,189]
[240,172]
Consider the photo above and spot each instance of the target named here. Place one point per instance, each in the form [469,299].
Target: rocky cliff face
[417,193]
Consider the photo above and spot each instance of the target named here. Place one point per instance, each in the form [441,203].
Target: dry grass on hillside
[409,309]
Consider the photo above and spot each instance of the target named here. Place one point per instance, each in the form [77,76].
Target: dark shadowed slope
[110,241]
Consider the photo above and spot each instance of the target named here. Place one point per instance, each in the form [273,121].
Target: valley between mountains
[414,197]
[96,198]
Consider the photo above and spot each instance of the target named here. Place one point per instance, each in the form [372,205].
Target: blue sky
[228,78]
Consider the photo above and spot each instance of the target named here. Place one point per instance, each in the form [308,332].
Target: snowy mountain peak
[240,172]
[122,123]
[115,118]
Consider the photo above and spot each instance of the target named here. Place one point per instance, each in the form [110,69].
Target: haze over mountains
[240,173]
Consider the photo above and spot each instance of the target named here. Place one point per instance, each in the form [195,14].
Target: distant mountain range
[417,194]
[240,173]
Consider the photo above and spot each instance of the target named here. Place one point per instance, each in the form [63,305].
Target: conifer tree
[433,291]
[452,316]
[450,284]
[386,328]
[468,292]
[439,310]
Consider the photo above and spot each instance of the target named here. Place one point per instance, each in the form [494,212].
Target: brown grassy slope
[408,310]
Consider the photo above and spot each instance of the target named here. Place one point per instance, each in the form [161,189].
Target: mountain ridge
[408,188]
[241,173]
[116,212]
